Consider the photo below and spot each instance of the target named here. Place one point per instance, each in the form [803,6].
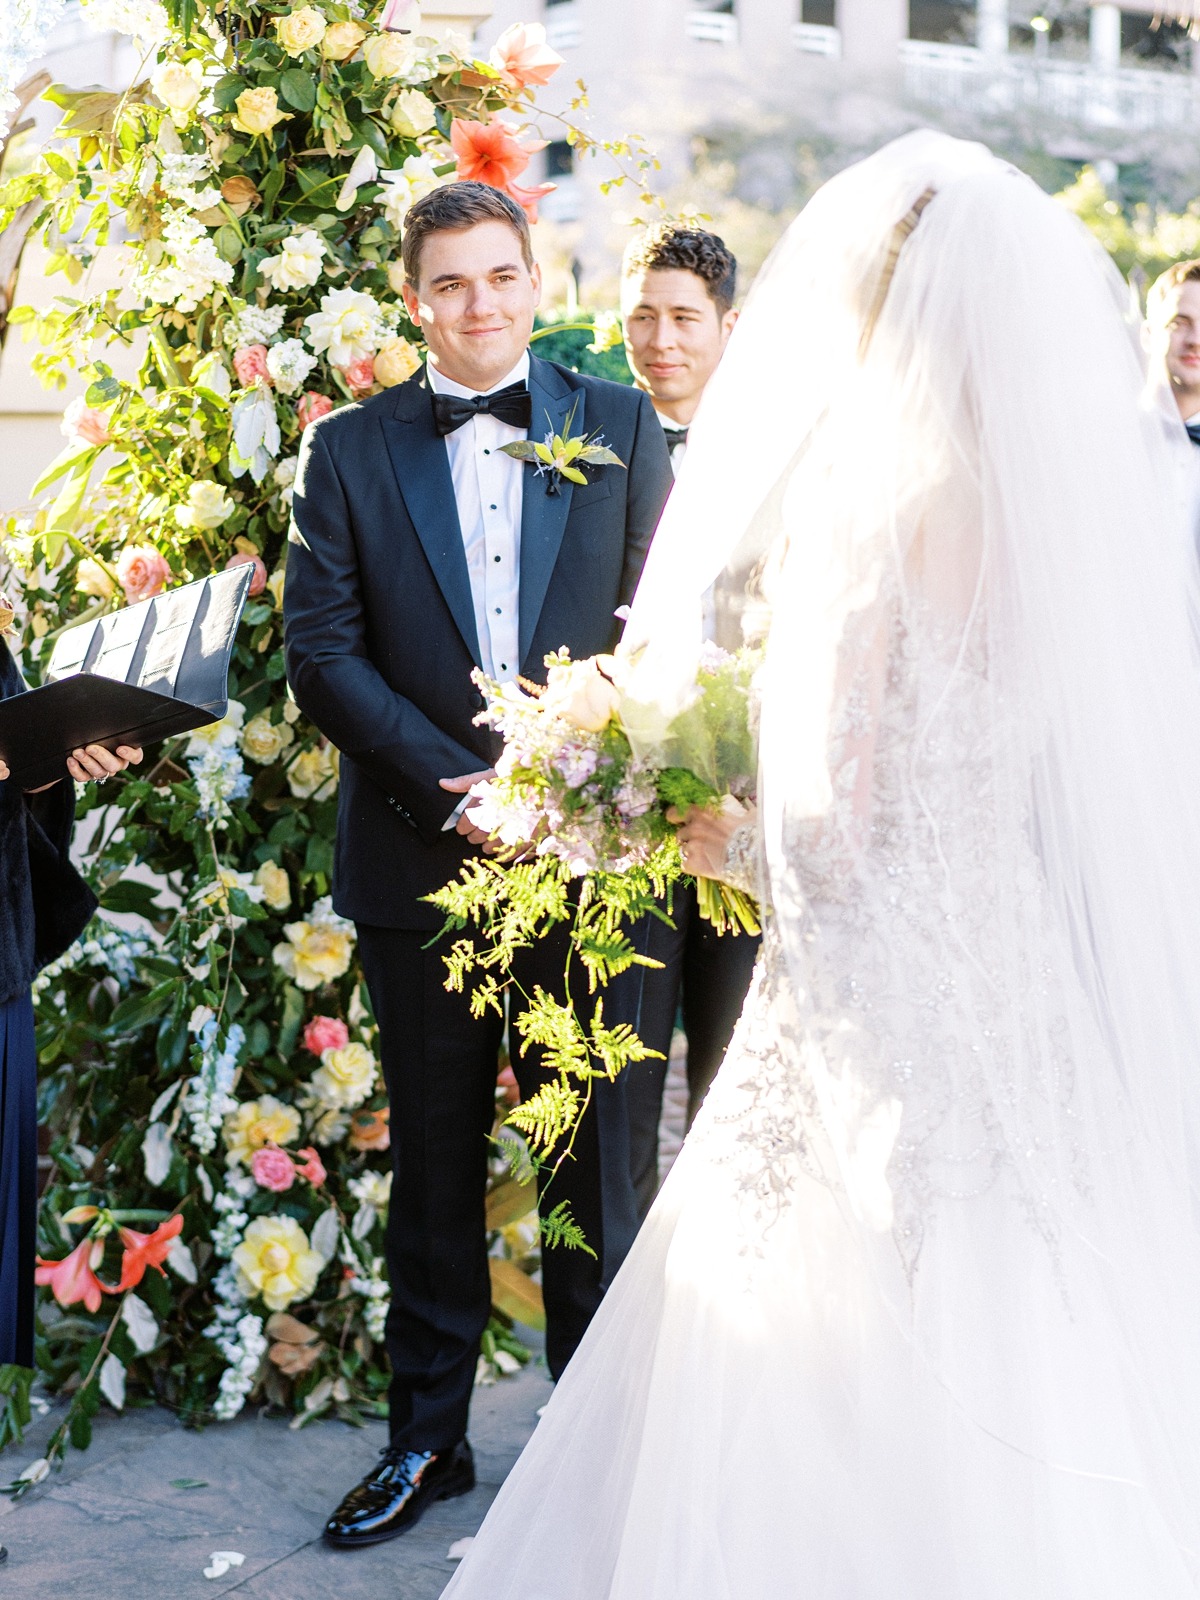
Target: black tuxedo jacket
[380,625]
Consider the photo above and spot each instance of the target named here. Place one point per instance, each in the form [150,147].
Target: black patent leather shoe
[398,1491]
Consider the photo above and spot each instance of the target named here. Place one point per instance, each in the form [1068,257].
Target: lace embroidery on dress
[743,860]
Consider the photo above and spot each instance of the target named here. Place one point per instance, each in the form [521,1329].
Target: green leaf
[103,392]
[521,450]
[228,242]
[271,186]
[298,88]
[227,90]
[63,516]
[72,460]
[81,1430]
[599,455]
[126,895]
[189,1483]
[139,1009]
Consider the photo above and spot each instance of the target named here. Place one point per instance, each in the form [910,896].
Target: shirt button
[487,452]
[491,508]
[495,558]
[499,613]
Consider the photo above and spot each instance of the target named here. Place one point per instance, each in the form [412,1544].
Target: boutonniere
[564,455]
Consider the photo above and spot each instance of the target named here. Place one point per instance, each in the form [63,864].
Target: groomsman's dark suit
[381,641]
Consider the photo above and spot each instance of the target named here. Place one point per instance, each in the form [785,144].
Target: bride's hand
[704,835]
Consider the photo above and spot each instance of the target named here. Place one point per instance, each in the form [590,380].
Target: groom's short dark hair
[453,208]
[672,247]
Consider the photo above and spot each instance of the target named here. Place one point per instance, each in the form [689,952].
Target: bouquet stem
[729,910]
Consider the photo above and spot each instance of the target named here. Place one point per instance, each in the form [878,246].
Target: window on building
[720,8]
[941,21]
[1058,30]
[560,159]
[819,13]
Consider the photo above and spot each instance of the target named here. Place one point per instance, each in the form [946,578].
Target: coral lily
[74,1278]
[523,58]
[144,1250]
[491,153]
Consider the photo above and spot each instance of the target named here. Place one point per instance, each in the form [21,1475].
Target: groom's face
[475,302]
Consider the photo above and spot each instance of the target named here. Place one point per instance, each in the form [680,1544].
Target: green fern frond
[547,1116]
[554,1026]
[560,1230]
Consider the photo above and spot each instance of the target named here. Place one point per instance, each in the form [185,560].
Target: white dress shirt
[488,490]
[677,453]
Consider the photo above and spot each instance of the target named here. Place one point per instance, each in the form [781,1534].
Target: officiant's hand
[94,763]
[465,826]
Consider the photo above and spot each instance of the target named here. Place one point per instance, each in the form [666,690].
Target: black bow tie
[675,436]
[512,405]
[1193,431]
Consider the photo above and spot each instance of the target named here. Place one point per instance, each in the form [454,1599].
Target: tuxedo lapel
[544,515]
[422,468]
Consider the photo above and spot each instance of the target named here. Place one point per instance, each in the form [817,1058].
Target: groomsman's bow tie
[512,405]
[675,436]
[1193,431]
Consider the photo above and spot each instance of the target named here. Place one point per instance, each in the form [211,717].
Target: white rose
[345,1077]
[406,185]
[390,55]
[583,693]
[265,741]
[179,87]
[275,885]
[314,773]
[413,114]
[207,506]
[299,263]
[346,328]
[300,30]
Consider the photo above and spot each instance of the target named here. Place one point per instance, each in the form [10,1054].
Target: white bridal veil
[917,1316]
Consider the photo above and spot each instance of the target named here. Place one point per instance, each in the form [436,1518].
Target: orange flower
[73,1278]
[522,57]
[369,1130]
[144,1250]
[491,153]
[311,1167]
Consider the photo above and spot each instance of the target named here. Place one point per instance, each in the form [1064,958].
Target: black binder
[135,676]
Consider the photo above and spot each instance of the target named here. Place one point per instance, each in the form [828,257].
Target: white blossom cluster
[373,1288]
[181,175]
[143,20]
[184,267]
[227,1232]
[209,1097]
[25,26]
[289,364]
[253,325]
[243,1345]
[115,950]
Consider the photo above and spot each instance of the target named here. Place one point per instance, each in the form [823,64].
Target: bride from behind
[917,1313]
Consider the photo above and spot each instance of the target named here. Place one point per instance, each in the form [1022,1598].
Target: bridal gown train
[916,1315]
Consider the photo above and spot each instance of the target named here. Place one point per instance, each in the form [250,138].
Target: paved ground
[113,1525]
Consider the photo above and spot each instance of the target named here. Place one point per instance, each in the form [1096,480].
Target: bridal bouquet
[579,807]
[571,786]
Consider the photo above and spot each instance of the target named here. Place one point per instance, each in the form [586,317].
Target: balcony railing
[960,78]
[564,26]
[815,40]
[715,27]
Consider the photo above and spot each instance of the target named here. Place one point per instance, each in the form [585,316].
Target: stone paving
[115,1523]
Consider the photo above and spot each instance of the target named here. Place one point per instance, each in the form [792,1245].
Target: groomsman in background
[677,292]
[1172,340]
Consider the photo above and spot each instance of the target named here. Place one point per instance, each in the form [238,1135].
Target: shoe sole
[357,1541]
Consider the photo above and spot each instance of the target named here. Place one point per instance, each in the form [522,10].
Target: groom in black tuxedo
[419,552]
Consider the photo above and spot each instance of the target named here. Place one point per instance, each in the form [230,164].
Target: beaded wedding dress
[917,1313]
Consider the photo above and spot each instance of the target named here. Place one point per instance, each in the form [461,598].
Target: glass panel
[1154,42]
[819,13]
[941,21]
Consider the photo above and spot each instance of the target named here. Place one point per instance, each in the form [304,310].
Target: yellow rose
[317,950]
[258,111]
[396,362]
[178,87]
[342,40]
[207,506]
[345,1077]
[396,277]
[276,1261]
[275,585]
[91,578]
[300,30]
[413,114]
[275,885]
[313,775]
[390,55]
[256,1123]
[265,741]
[583,693]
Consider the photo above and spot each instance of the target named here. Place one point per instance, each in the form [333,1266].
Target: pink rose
[143,571]
[312,1167]
[250,364]
[360,375]
[273,1168]
[81,422]
[312,405]
[259,581]
[326,1033]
